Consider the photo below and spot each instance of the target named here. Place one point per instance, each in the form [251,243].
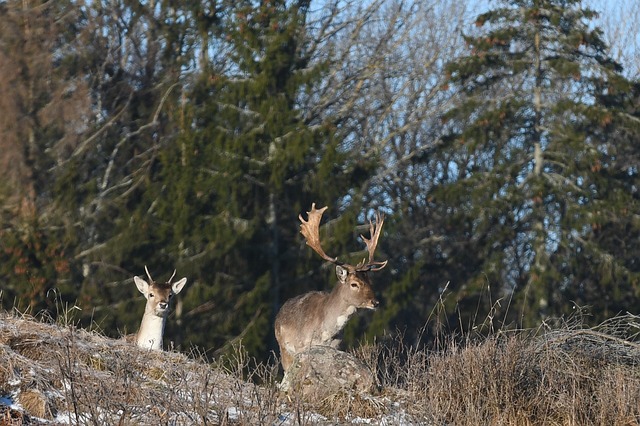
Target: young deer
[315,318]
[158,296]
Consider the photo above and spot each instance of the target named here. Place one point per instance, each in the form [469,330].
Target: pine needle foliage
[537,176]
[248,160]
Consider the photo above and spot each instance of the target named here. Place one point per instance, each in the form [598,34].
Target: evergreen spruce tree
[43,99]
[539,193]
[248,160]
[132,55]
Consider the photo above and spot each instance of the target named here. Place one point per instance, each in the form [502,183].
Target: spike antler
[148,274]
[151,279]
[310,230]
[372,243]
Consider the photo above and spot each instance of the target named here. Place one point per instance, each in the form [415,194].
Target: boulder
[323,372]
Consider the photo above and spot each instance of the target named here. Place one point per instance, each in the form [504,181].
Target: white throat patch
[342,319]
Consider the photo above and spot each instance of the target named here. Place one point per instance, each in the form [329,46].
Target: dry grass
[564,375]
[73,376]
[561,375]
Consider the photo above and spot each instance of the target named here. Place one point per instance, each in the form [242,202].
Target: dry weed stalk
[93,380]
[560,374]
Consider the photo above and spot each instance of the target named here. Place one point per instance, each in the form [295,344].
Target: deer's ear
[142,285]
[341,273]
[178,285]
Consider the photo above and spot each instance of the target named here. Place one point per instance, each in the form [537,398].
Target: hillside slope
[54,374]
[51,374]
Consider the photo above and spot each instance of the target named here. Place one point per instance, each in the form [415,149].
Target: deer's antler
[372,243]
[148,274]
[173,275]
[310,230]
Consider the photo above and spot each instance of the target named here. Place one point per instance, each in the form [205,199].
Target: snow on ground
[64,375]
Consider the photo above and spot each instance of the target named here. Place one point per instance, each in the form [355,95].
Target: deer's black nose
[375,302]
[162,305]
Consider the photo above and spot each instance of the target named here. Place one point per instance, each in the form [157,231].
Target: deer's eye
[170,295]
[150,294]
[354,285]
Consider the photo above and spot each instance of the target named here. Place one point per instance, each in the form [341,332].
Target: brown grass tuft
[346,406]
[561,376]
[35,403]
[12,417]
[557,375]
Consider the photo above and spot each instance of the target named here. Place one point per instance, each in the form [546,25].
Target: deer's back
[300,319]
[305,307]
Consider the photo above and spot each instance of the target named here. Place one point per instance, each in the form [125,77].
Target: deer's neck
[151,331]
[337,313]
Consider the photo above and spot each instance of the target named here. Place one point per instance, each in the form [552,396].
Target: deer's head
[353,280]
[158,295]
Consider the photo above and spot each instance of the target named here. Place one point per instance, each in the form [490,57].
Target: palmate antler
[372,243]
[310,230]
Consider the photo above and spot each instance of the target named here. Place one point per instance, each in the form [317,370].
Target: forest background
[501,141]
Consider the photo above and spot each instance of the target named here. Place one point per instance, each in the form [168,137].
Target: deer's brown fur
[316,318]
[158,297]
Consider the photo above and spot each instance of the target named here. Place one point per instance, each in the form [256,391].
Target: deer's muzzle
[372,304]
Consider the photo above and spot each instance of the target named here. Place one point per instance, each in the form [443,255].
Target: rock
[322,372]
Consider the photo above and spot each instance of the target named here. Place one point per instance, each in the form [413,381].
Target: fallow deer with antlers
[315,318]
[158,297]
